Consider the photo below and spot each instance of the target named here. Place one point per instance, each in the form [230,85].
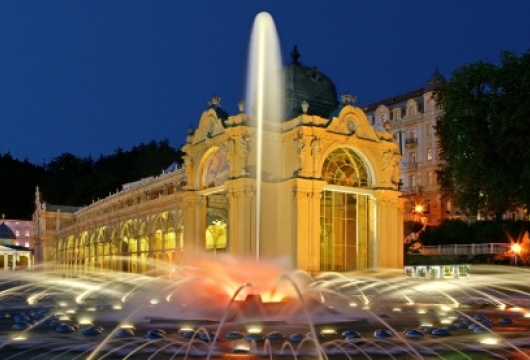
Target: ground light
[516,248]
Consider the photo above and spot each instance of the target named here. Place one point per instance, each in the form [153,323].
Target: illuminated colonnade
[330,204]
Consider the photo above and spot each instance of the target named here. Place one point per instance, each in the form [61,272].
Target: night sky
[88,77]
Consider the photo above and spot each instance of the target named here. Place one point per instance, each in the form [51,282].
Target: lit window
[344,167]
[26,244]
[429,154]
[26,233]
[412,180]
[426,205]
[17,233]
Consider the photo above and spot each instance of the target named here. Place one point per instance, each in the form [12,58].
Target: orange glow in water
[269,297]
[225,277]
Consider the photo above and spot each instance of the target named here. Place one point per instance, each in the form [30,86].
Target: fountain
[264,98]
[198,312]
[219,307]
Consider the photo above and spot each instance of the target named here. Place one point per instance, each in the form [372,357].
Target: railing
[411,141]
[411,165]
[465,249]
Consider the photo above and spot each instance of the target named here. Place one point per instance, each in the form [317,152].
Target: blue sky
[87,77]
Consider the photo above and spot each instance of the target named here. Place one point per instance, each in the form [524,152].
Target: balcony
[411,165]
[411,142]
[411,190]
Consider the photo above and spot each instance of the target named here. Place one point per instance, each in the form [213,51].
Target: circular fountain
[115,315]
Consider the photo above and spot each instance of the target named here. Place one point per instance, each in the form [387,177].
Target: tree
[67,180]
[18,180]
[484,134]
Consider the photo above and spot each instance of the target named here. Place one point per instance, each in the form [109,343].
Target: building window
[26,233]
[345,229]
[411,108]
[412,157]
[412,180]
[426,206]
[429,154]
[344,167]
[216,235]
[26,244]
[429,178]
[396,114]
[17,233]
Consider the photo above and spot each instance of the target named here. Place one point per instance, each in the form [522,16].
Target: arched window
[215,171]
[344,167]
[411,108]
[216,234]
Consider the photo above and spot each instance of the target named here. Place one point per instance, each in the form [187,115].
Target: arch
[128,229]
[160,222]
[216,236]
[412,108]
[346,167]
[214,168]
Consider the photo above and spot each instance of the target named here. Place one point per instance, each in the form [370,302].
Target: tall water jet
[264,100]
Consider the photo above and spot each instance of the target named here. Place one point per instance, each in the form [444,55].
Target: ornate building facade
[16,245]
[328,200]
[412,118]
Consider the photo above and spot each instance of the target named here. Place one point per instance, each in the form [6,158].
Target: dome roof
[6,233]
[435,81]
[303,83]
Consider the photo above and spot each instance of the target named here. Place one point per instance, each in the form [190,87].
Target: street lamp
[418,209]
[516,248]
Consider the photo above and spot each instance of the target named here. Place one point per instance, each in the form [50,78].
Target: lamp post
[516,248]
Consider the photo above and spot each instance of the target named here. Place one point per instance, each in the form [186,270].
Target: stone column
[306,195]
[241,217]
[389,240]
[194,209]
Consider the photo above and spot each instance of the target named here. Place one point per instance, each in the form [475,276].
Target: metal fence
[465,249]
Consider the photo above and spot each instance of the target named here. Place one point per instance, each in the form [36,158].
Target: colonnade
[14,259]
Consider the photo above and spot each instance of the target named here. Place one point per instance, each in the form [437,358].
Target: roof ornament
[215,102]
[241,106]
[295,54]
[348,99]
[305,106]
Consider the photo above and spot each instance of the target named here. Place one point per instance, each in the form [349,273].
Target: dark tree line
[77,181]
